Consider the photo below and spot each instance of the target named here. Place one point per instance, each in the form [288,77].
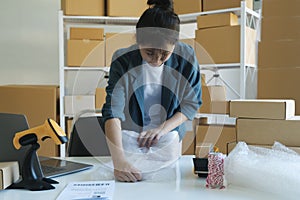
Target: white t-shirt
[152,95]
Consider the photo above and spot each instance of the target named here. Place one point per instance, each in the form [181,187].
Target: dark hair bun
[166,4]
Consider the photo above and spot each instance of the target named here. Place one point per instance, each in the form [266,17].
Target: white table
[185,185]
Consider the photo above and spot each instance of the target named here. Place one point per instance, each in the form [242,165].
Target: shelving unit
[247,18]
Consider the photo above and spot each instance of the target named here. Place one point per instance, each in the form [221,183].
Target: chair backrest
[87,138]
[10,124]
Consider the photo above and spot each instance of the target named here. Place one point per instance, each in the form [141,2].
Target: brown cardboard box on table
[132,8]
[115,41]
[262,108]
[37,103]
[218,135]
[83,7]
[9,173]
[187,6]
[267,131]
[222,45]
[188,143]
[216,20]
[86,47]
[224,4]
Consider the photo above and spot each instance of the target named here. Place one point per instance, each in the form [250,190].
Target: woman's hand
[150,137]
[125,172]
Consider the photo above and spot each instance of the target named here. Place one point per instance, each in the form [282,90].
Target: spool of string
[215,178]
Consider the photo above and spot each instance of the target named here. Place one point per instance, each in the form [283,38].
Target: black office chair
[87,138]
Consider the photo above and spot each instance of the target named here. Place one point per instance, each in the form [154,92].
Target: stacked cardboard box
[86,47]
[83,7]
[115,41]
[214,100]
[215,134]
[278,59]
[262,122]
[221,4]
[218,39]
[187,6]
[117,8]
[132,8]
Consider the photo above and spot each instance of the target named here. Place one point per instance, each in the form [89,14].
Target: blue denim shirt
[181,88]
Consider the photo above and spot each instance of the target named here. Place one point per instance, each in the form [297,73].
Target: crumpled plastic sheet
[275,170]
[157,163]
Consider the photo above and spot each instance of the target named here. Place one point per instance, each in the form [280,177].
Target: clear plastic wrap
[157,163]
[275,170]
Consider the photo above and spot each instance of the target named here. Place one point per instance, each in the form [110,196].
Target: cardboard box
[216,20]
[188,143]
[100,97]
[218,135]
[222,45]
[69,126]
[9,173]
[76,104]
[132,8]
[86,33]
[224,4]
[281,83]
[83,7]
[115,41]
[232,145]
[86,53]
[37,103]
[279,53]
[213,93]
[214,100]
[280,8]
[215,107]
[280,28]
[262,108]
[267,131]
[203,149]
[187,6]
[189,41]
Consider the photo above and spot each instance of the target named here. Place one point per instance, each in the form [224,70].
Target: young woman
[154,87]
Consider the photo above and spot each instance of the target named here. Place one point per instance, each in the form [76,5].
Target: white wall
[29,42]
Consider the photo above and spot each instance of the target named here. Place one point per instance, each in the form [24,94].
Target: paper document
[88,190]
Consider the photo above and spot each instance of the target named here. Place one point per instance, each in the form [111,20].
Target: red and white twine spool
[215,171]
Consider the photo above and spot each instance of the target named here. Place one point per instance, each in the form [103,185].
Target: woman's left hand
[150,137]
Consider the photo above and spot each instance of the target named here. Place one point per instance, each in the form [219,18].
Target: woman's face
[154,56]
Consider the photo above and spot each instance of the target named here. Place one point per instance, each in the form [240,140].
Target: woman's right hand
[125,172]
